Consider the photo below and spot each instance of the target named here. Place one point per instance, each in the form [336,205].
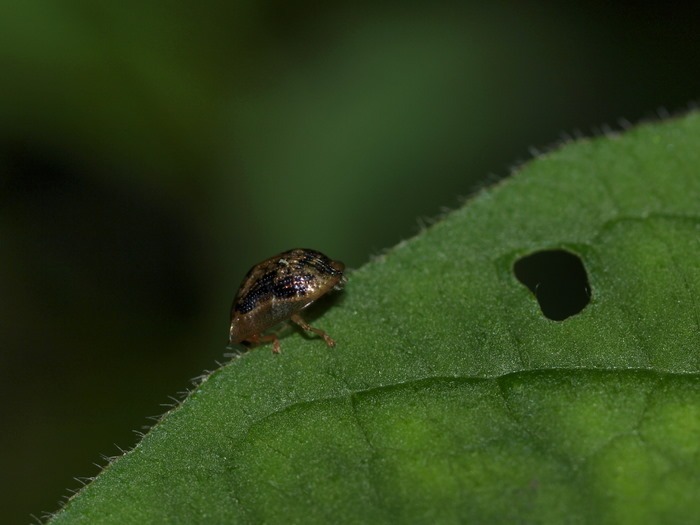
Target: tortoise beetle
[277,289]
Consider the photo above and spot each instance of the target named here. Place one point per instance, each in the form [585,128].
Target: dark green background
[149,155]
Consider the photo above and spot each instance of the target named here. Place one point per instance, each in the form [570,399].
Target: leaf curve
[450,397]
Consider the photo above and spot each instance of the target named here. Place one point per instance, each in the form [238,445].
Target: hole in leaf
[559,281]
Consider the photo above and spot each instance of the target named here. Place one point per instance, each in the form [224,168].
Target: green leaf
[450,397]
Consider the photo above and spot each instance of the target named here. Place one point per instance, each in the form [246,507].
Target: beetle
[277,289]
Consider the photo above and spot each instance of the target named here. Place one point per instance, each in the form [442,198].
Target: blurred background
[150,153]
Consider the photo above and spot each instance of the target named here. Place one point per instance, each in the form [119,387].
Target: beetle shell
[277,289]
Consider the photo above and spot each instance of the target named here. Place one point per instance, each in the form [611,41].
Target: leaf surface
[450,397]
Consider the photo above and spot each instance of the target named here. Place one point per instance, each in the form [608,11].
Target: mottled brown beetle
[277,289]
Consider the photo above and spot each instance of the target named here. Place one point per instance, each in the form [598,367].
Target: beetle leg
[306,326]
[257,339]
